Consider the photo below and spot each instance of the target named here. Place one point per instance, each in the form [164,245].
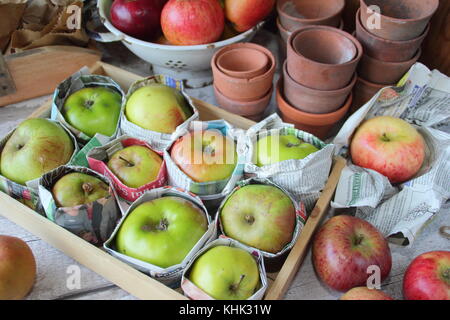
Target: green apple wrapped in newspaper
[160,233]
[155,108]
[81,201]
[88,105]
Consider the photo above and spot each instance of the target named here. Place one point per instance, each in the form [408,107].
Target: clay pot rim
[281,12]
[245,103]
[398,20]
[371,35]
[280,26]
[356,43]
[316,119]
[317,92]
[394,64]
[269,54]
[248,74]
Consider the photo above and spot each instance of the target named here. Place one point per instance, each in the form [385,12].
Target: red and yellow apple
[390,146]
[364,293]
[261,216]
[343,250]
[245,14]
[428,277]
[192,22]
[205,155]
[17,268]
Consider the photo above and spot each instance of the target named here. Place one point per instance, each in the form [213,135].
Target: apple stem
[129,163]
[358,240]
[249,219]
[89,103]
[446,275]
[235,286]
[385,138]
[291,145]
[87,187]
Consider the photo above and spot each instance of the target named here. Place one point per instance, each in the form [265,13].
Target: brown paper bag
[11,12]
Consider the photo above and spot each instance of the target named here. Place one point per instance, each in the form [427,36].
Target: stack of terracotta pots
[243,79]
[318,77]
[392,46]
[294,14]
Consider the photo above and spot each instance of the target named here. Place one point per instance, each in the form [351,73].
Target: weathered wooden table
[56,270]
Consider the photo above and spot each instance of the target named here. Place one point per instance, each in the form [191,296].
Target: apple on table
[261,216]
[226,273]
[162,231]
[344,248]
[390,146]
[364,293]
[205,155]
[428,277]
[157,107]
[36,146]
[17,268]
[245,14]
[135,165]
[93,110]
[280,147]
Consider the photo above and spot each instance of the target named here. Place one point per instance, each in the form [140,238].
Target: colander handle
[92,22]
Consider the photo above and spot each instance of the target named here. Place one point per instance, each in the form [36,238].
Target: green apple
[205,155]
[93,110]
[162,231]
[226,273]
[276,148]
[36,147]
[260,216]
[136,165]
[78,188]
[157,107]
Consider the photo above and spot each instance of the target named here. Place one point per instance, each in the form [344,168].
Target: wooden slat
[112,269]
[37,72]
[290,267]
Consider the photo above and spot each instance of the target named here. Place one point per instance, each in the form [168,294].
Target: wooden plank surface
[37,72]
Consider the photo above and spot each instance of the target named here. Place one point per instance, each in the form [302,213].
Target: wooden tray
[123,275]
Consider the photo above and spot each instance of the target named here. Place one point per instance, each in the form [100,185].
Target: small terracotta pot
[400,20]
[309,12]
[319,125]
[323,58]
[312,100]
[251,110]
[285,33]
[244,89]
[382,72]
[243,63]
[387,50]
[364,91]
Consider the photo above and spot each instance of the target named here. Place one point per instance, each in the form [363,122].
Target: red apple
[138,18]
[17,268]
[364,293]
[390,146]
[343,250]
[428,277]
[205,155]
[192,22]
[245,14]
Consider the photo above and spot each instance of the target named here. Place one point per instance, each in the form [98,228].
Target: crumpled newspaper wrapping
[304,179]
[93,222]
[399,212]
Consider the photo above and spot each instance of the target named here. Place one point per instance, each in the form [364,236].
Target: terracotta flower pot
[399,19]
[387,50]
[243,63]
[323,58]
[319,125]
[382,72]
[364,91]
[244,89]
[309,12]
[312,100]
[285,33]
[249,109]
